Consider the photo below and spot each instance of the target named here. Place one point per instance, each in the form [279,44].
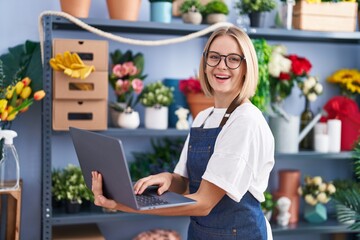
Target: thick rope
[117,38]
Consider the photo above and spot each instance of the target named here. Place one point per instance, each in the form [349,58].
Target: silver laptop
[97,152]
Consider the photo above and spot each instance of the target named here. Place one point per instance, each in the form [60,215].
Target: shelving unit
[52,218]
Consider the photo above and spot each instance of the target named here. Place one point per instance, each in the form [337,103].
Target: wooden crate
[326,16]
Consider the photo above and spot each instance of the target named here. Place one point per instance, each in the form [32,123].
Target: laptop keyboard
[147,200]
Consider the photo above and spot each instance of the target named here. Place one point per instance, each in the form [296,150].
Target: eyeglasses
[232,61]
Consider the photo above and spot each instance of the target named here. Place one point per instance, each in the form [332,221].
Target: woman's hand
[163,180]
[97,189]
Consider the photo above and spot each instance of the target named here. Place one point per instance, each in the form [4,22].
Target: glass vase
[306,116]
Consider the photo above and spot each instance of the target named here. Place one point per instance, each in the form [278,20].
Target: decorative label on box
[325,16]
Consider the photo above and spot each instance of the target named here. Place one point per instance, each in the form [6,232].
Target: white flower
[280,49]
[317,180]
[318,88]
[310,200]
[310,82]
[311,97]
[331,188]
[322,187]
[322,198]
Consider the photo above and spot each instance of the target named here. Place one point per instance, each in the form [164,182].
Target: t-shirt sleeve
[235,160]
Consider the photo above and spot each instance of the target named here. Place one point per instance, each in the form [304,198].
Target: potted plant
[126,78]
[163,158]
[68,185]
[161,10]
[79,9]
[156,97]
[195,97]
[256,9]
[216,11]
[191,11]
[268,205]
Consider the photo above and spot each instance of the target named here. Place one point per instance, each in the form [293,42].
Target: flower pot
[124,9]
[161,12]
[198,102]
[156,117]
[315,214]
[192,17]
[215,18]
[258,19]
[78,8]
[72,206]
[115,114]
[129,120]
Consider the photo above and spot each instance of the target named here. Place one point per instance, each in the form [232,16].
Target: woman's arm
[207,196]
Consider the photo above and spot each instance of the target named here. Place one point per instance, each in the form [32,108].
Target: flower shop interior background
[178,61]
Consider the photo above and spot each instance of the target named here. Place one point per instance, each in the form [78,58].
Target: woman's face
[223,80]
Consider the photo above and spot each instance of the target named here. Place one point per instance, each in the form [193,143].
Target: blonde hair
[248,88]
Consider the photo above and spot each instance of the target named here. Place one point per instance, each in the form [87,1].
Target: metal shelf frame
[52,23]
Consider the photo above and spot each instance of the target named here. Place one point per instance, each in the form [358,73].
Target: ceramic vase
[156,117]
[115,114]
[192,17]
[316,213]
[129,120]
[215,18]
[161,11]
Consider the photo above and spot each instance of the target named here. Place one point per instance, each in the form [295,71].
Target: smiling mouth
[222,77]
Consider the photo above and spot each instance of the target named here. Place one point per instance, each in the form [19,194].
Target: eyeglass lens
[232,61]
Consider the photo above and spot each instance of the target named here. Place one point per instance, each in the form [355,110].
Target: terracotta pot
[198,102]
[79,8]
[289,181]
[124,9]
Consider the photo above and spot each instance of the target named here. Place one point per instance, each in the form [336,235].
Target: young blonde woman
[228,156]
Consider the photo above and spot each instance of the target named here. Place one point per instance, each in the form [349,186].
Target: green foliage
[349,193]
[269,203]
[166,153]
[156,94]
[249,6]
[23,60]
[69,184]
[216,6]
[262,95]
[192,6]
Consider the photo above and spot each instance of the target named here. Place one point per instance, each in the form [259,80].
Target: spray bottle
[9,162]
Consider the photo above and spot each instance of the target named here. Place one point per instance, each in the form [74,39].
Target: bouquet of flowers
[348,80]
[126,77]
[16,97]
[310,88]
[190,85]
[285,70]
[316,190]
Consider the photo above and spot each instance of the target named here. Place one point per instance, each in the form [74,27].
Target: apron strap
[233,105]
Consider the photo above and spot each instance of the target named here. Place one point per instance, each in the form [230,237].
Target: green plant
[68,184]
[191,6]
[269,203]
[249,6]
[216,6]
[262,95]
[156,94]
[350,197]
[163,158]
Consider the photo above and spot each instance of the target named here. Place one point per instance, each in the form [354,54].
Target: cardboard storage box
[325,16]
[85,114]
[92,52]
[95,86]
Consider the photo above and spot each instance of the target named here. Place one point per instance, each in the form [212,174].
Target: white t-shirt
[243,154]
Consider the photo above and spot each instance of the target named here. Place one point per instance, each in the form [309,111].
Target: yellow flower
[348,79]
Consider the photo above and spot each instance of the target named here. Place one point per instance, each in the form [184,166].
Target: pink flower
[137,85]
[122,86]
[131,68]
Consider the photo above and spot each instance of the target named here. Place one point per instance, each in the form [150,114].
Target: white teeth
[222,77]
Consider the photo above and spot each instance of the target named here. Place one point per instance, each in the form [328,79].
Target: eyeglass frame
[242,58]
